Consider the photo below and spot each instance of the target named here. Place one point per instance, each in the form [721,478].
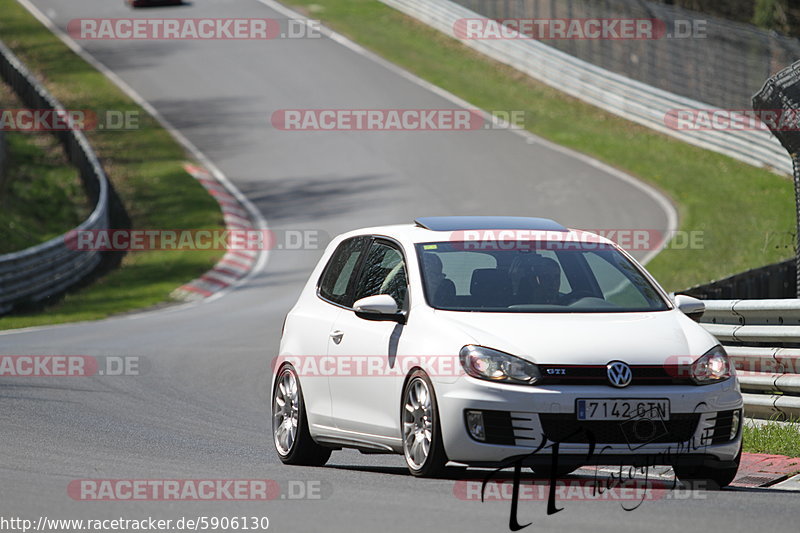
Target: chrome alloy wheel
[285,412]
[417,423]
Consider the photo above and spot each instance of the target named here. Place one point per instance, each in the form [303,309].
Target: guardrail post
[796,173]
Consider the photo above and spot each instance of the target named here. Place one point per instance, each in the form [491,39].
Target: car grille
[597,375]
[567,429]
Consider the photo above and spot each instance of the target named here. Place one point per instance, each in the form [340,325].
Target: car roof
[464,223]
[438,229]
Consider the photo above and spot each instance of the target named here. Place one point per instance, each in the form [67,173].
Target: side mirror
[691,307]
[381,307]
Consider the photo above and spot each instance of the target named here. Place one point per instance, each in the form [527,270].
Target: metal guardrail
[620,95]
[42,271]
[763,339]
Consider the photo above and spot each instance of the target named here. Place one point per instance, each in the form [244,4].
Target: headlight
[712,367]
[491,365]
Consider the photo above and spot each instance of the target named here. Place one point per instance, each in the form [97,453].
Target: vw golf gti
[480,340]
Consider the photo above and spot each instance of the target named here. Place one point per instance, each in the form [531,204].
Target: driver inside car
[536,280]
[547,280]
[441,290]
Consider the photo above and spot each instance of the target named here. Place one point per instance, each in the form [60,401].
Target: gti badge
[619,374]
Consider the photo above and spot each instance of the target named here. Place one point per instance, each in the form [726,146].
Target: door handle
[337,336]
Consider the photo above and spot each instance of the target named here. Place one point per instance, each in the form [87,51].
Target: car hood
[585,338]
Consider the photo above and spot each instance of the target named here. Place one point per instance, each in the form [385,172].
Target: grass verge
[41,195]
[145,166]
[745,215]
[772,437]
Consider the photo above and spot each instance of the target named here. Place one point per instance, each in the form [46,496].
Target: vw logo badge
[619,374]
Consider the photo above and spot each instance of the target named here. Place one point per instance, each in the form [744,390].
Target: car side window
[384,272]
[338,274]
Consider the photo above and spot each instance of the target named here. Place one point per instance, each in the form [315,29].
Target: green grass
[145,166]
[774,438]
[745,213]
[41,195]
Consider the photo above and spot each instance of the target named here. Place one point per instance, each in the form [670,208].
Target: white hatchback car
[479,340]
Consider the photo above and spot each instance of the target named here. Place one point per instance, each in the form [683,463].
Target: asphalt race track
[200,407]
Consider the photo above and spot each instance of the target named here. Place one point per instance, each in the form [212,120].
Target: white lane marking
[530,138]
[259,221]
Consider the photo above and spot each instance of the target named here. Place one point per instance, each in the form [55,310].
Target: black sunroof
[462,223]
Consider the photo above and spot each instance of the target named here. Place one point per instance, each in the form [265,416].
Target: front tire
[423,448]
[290,433]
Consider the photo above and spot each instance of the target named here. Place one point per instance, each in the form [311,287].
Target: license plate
[623,409]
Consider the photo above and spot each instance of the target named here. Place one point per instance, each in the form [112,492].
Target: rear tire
[290,434]
[423,447]
[713,478]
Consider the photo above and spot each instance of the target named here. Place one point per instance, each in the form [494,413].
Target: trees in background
[782,16]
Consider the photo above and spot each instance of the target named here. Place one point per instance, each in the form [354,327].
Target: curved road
[199,409]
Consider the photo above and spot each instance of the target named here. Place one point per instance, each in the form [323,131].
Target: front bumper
[530,443]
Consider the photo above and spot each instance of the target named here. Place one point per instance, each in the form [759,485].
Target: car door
[311,326]
[365,392]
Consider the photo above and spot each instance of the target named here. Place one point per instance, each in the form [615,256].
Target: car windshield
[495,277]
